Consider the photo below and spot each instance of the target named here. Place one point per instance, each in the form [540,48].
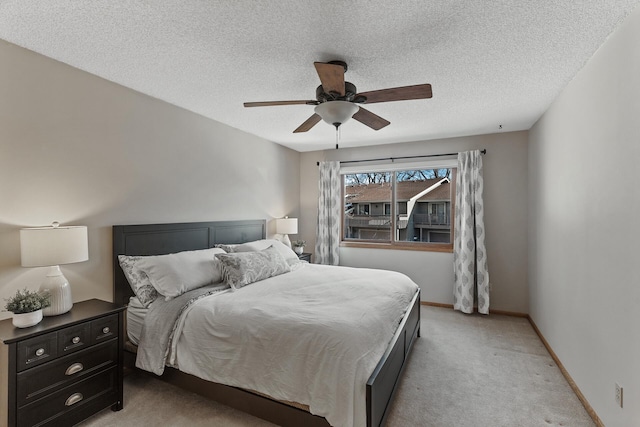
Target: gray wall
[81,150]
[584,226]
[505,174]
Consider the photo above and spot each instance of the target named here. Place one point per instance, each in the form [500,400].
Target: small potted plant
[26,307]
[298,246]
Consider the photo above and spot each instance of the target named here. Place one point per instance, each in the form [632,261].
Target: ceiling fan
[336,99]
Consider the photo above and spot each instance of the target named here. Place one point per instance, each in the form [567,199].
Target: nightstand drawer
[38,350]
[41,380]
[98,389]
[104,329]
[74,338]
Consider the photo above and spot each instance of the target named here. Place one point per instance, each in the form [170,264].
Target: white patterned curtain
[329,215]
[469,252]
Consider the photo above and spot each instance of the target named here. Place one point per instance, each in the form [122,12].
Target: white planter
[24,320]
[299,249]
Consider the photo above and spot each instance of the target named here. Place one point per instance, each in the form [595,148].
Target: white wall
[81,150]
[505,174]
[584,226]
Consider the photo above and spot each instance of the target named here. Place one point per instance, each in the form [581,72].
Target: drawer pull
[75,340]
[74,369]
[105,330]
[73,399]
[39,352]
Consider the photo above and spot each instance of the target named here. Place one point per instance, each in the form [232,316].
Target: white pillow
[174,274]
[259,245]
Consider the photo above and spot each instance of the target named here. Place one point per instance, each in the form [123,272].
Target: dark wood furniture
[157,239]
[305,256]
[64,369]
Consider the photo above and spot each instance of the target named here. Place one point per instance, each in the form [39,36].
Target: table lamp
[286,226]
[51,247]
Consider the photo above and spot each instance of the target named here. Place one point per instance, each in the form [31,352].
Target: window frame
[392,243]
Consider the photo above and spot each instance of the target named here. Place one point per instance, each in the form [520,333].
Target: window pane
[423,200]
[367,206]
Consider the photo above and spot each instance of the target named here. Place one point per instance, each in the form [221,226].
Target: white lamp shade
[287,225]
[336,112]
[49,246]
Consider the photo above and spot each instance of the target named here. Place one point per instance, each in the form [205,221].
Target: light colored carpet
[464,371]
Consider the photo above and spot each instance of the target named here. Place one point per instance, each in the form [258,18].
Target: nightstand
[305,256]
[64,369]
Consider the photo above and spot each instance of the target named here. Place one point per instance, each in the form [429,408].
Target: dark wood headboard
[160,239]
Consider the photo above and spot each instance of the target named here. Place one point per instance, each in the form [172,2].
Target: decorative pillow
[258,245]
[138,279]
[227,248]
[174,274]
[242,268]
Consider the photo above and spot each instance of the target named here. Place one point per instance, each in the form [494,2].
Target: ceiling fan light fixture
[336,112]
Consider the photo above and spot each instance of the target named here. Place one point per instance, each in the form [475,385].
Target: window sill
[424,247]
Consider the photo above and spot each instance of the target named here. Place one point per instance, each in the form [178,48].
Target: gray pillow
[138,279]
[242,268]
[258,245]
[227,248]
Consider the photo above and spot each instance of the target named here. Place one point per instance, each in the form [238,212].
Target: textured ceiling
[490,62]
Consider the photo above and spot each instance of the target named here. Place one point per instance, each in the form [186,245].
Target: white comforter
[311,336]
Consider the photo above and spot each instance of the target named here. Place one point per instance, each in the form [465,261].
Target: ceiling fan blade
[308,124]
[374,121]
[270,103]
[402,93]
[331,77]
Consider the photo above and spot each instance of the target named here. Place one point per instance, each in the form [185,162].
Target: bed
[158,239]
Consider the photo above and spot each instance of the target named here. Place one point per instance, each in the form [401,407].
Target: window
[364,208]
[404,209]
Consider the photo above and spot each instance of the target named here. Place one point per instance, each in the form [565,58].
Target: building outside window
[402,208]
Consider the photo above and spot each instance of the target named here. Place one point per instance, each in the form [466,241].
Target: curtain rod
[483,151]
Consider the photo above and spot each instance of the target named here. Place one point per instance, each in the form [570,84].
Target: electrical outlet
[619,395]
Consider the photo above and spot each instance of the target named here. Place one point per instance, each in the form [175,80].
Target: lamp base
[286,240]
[59,290]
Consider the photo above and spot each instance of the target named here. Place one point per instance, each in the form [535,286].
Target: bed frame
[158,239]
